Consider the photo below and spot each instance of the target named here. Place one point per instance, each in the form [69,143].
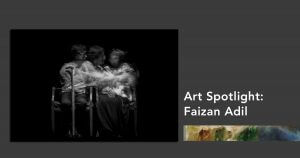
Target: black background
[37,56]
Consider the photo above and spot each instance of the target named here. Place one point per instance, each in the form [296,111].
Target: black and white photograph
[93,85]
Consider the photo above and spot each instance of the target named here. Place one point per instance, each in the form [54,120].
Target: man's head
[96,55]
[79,52]
[116,57]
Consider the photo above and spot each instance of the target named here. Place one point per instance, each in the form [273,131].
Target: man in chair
[77,65]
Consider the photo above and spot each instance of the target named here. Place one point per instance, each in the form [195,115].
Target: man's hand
[109,92]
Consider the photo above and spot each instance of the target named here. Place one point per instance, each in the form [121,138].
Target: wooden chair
[56,107]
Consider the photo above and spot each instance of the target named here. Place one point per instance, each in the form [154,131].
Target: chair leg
[91,110]
[73,105]
[91,121]
[52,111]
[135,121]
[53,119]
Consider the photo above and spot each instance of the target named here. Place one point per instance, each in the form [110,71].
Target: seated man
[114,99]
[79,55]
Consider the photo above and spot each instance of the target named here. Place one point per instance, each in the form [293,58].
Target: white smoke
[101,79]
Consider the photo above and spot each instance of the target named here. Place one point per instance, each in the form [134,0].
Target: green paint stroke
[248,134]
[219,134]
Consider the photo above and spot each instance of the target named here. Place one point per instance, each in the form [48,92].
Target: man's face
[100,60]
[114,60]
[80,56]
